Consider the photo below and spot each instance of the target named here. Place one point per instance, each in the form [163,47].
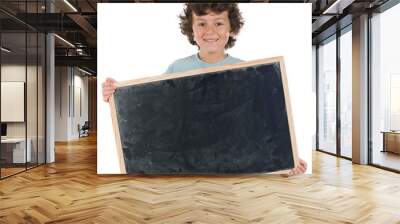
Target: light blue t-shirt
[194,62]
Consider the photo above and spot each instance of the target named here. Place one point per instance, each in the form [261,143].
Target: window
[385,88]
[327,96]
[346,93]
[23,80]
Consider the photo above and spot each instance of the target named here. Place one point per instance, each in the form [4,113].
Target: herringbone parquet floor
[70,191]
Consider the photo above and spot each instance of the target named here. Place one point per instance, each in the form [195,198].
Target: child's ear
[233,35]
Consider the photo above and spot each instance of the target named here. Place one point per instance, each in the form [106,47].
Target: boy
[213,27]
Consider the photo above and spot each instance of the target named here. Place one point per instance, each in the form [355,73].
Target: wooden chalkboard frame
[272,60]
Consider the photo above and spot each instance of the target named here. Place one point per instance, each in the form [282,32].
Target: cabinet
[391,141]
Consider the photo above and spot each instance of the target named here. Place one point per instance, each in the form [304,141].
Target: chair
[84,130]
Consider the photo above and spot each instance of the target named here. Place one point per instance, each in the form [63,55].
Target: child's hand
[300,168]
[108,88]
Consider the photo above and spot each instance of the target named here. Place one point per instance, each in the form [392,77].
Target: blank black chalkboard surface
[232,119]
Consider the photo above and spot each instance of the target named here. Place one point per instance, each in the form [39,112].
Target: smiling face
[211,32]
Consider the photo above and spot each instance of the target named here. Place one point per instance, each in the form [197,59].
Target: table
[15,148]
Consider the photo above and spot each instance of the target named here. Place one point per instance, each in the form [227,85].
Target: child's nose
[210,29]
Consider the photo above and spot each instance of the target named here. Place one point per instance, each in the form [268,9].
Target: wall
[314,94]
[33,127]
[80,102]
[71,102]
[62,80]
[17,73]
[14,73]
[92,87]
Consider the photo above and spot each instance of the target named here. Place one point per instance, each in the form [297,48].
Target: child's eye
[201,24]
[219,24]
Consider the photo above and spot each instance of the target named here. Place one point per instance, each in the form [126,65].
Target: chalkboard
[231,119]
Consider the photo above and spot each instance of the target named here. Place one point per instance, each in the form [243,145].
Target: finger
[108,89]
[299,170]
[110,85]
[105,84]
[295,170]
[108,79]
[111,82]
[305,166]
[107,94]
[107,97]
[285,174]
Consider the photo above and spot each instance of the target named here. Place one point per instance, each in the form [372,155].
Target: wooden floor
[5,172]
[387,159]
[10,171]
[70,191]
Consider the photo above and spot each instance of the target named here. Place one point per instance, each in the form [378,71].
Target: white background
[137,40]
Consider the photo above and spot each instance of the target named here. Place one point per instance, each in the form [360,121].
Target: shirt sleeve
[170,69]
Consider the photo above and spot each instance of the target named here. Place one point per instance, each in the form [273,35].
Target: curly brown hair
[235,18]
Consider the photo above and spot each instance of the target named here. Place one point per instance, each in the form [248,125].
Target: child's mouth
[210,40]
